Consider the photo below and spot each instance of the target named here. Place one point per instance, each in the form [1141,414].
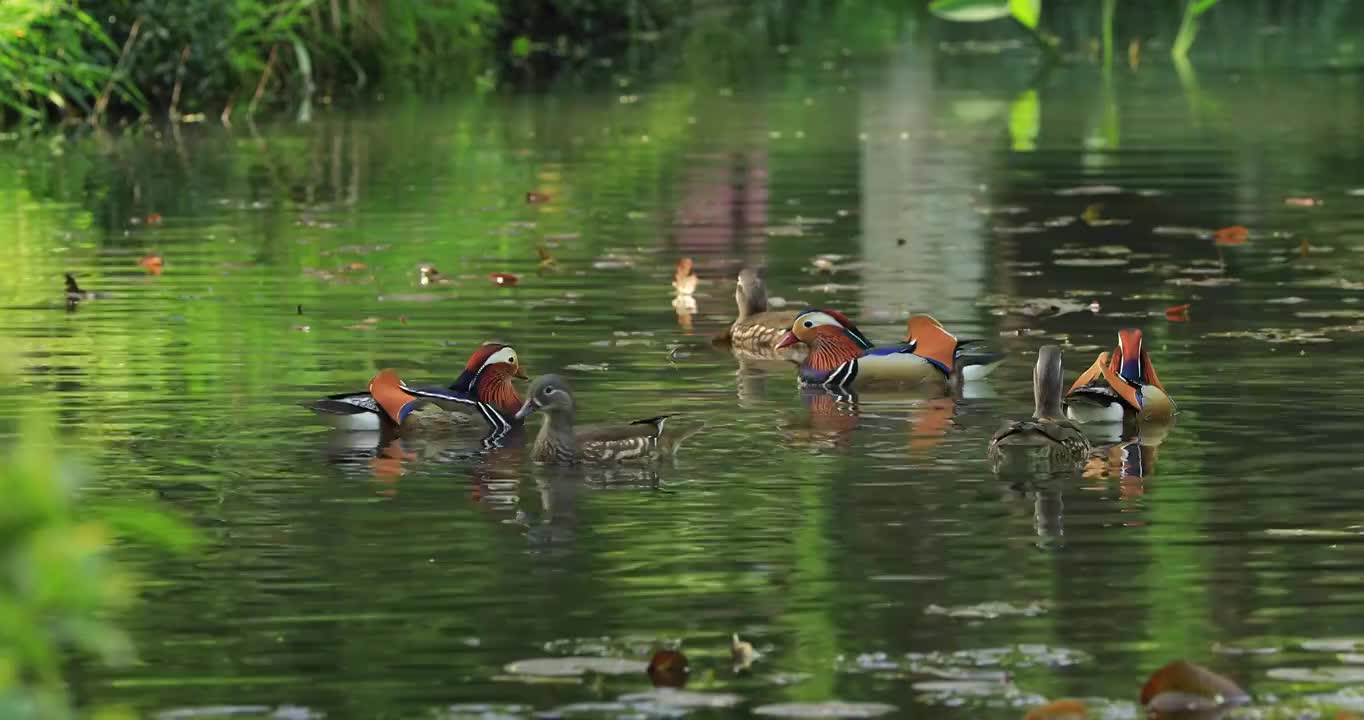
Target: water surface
[866,551]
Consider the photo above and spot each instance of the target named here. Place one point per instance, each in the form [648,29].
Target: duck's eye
[809,324]
[547,391]
[512,360]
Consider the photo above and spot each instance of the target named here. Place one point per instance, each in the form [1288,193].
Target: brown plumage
[561,441]
[757,330]
[1047,439]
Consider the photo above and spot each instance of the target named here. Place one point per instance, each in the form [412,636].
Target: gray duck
[1048,438]
[561,441]
[757,330]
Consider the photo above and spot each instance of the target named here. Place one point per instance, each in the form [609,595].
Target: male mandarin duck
[1047,436]
[483,394]
[1121,384]
[842,357]
[561,441]
[757,329]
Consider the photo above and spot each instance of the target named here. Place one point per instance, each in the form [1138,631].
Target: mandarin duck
[1120,385]
[842,357]
[1047,436]
[757,330]
[560,441]
[482,395]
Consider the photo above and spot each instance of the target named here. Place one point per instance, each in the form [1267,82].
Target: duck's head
[548,393]
[818,326]
[928,339]
[750,293]
[490,362]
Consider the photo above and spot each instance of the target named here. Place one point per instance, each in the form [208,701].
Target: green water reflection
[362,581]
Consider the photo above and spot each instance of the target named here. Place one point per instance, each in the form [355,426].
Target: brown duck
[561,441]
[1047,438]
[757,330]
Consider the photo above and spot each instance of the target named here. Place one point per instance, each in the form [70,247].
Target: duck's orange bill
[787,340]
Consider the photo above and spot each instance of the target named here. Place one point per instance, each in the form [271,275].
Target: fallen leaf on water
[1182,685]
[303,328]
[568,666]
[825,709]
[504,279]
[547,261]
[1090,190]
[1092,214]
[360,327]
[1059,710]
[1302,202]
[1178,313]
[666,698]
[987,610]
[741,653]
[584,367]
[1234,235]
[151,263]
[668,668]
[154,218]
[356,266]
[535,198]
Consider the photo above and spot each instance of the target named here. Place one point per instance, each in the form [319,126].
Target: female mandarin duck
[560,441]
[1047,436]
[483,394]
[1120,385]
[842,357]
[757,329]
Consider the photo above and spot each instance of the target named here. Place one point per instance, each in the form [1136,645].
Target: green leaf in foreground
[1026,12]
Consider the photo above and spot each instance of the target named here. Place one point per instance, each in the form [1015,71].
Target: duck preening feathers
[1048,438]
[482,397]
[1120,385]
[562,441]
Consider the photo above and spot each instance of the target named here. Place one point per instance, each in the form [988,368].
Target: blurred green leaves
[59,580]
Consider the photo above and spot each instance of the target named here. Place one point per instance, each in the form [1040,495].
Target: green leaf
[1025,119]
[970,10]
[1028,12]
[520,47]
[1202,6]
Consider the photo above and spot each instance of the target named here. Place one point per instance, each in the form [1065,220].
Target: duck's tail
[974,365]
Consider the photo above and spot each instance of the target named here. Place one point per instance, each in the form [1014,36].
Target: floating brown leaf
[1178,313]
[154,218]
[151,263]
[1059,710]
[535,198]
[1302,202]
[1234,235]
[504,279]
[1182,685]
[668,668]
[547,261]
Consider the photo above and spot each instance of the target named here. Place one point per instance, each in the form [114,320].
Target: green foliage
[48,60]
[58,581]
[1188,26]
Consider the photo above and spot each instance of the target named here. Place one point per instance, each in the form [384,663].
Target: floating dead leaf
[1090,262]
[828,288]
[572,666]
[1185,686]
[584,367]
[666,698]
[1333,645]
[785,231]
[535,197]
[1093,217]
[987,610]
[1244,647]
[1302,202]
[825,709]
[1274,335]
[668,668]
[1234,235]
[1331,675]
[742,653]
[1059,710]
[303,328]
[1182,231]
[1330,314]
[547,261]
[1204,282]
[360,327]
[356,266]
[154,218]
[1178,313]
[151,263]
[1089,190]
[504,279]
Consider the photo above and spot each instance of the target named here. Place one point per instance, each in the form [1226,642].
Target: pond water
[866,551]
